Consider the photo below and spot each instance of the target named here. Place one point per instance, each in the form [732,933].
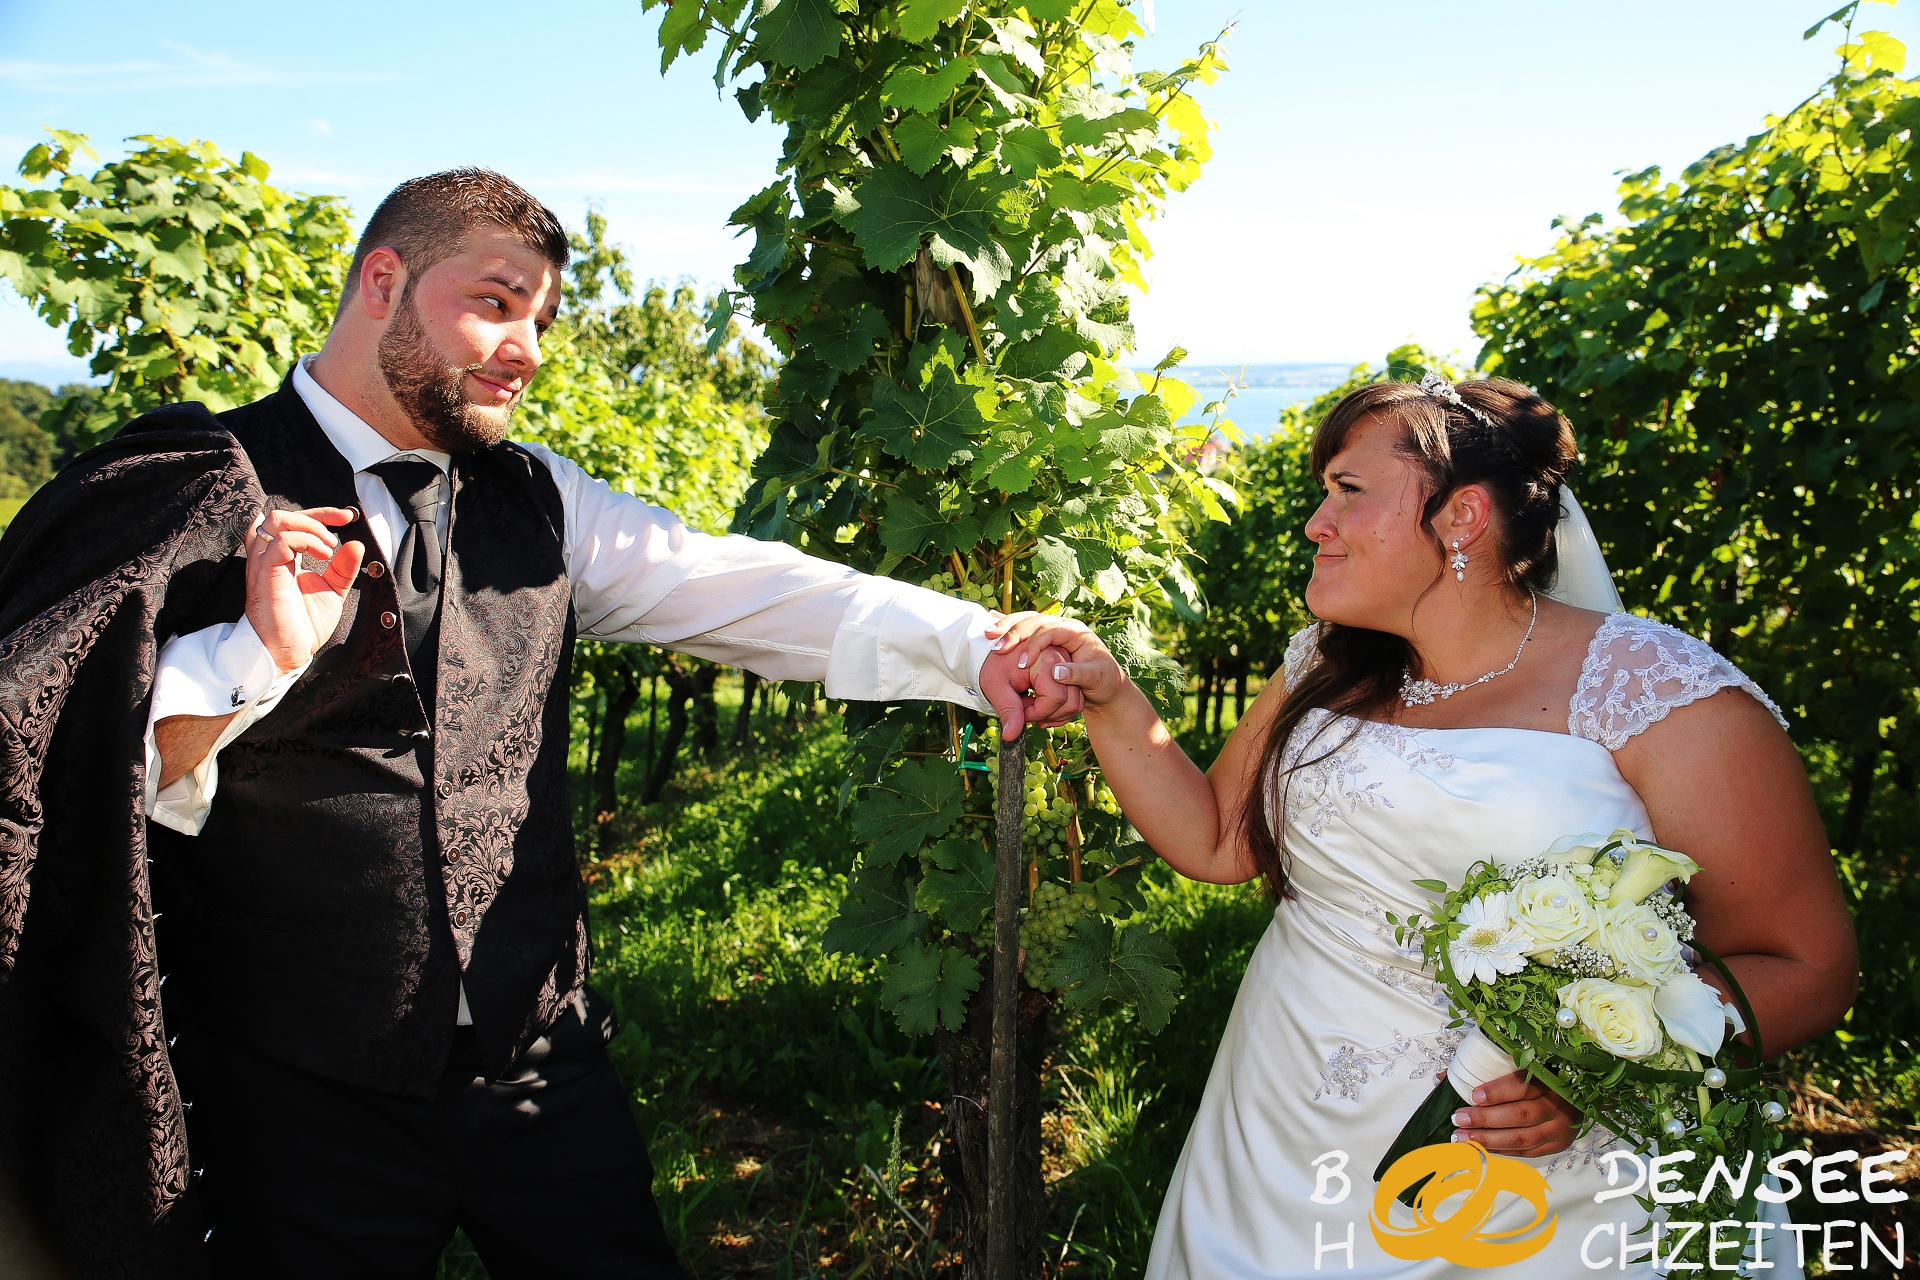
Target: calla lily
[1646,868]
[1572,851]
[1691,1012]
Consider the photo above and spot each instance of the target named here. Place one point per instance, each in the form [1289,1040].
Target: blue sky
[1376,159]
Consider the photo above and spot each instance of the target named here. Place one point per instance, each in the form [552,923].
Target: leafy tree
[1738,359]
[961,200]
[1253,572]
[182,273]
[630,391]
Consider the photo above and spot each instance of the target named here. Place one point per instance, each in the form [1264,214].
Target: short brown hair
[426,221]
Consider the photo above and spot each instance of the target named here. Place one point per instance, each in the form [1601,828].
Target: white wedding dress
[1337,1033]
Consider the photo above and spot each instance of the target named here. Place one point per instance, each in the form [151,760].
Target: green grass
[9,508]
[777,1096]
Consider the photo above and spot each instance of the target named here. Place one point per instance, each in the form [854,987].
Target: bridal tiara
[1440,389]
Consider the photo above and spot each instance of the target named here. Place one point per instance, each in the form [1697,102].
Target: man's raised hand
[294,610]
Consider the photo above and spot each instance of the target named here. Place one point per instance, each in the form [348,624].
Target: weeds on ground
[794,1129]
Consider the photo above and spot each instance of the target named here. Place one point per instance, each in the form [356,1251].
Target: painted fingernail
[1479,1096]
[1459,1136]
[1059,673]
[1022,663]
[1462,1119]
[998,645]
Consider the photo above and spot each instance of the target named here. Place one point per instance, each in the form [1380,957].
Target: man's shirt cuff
[898,642]
[220,670]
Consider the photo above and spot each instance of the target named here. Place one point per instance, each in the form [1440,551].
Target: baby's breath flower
[1667,906]
[1582,961]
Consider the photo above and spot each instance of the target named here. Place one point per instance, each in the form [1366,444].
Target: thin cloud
[190,68]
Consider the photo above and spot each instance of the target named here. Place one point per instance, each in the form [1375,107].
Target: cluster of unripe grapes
[979,592]
[1044,925]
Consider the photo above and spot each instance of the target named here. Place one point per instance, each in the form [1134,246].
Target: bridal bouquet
[1571,965]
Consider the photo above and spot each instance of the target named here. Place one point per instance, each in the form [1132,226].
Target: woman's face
[1376,557]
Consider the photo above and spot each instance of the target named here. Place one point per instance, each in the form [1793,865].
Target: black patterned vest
[359,863]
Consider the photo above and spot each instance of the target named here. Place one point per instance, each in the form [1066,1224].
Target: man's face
[464,339]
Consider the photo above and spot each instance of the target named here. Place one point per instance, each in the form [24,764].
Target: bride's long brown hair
[1521,461]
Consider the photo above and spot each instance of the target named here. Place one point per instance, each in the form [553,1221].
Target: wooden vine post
[1009,873]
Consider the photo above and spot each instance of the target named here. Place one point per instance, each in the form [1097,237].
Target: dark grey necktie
[417,561]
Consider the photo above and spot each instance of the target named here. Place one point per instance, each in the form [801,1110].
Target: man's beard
[431,392]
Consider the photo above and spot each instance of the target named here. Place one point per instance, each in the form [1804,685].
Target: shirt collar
[357,442]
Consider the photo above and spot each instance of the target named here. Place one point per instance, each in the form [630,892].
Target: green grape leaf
[799,33]
[1056,353]
[909,522]
[846,340]
[1026,150]
[960,886]
[920,19]
[917,89]
[921,140]
[1134,965]
[878,914]
[930,429]
[926,985]
[1133,127]
[766,215]
[920,801]
[894,209]
[1056,570]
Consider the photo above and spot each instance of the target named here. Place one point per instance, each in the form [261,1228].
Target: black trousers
[300,1176]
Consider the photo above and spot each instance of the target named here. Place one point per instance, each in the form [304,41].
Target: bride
[1464,696]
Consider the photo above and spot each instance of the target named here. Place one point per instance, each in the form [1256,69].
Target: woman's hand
[1517,1116]
[1089,666]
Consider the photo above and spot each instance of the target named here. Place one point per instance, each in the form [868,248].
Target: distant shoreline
[1320,375]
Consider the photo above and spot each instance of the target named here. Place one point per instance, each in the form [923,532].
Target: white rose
[1554,912]
[1639,942]
[1621,1019]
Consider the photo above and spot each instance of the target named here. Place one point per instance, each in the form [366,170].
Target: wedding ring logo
[1449,1170]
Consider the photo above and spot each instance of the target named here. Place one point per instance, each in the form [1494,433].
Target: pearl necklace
[1420,693]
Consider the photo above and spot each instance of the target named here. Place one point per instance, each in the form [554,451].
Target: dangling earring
[1458,562]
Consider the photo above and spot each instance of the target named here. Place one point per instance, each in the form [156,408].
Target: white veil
[1584,580]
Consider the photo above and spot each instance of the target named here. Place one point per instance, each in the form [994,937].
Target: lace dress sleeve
[1638,671]
[1302,652]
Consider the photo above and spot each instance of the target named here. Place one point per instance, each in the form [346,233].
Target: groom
[372,931]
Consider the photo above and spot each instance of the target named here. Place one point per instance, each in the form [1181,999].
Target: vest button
[375,569]
[388,618]
[461,917]
[401,677]
[445,789]
[453,855]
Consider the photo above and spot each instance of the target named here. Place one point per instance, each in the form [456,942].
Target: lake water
[1265,389]
[1256,410]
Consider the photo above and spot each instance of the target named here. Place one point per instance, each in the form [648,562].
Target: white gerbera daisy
[1491,941]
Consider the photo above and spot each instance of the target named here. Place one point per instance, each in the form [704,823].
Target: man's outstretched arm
[640,575]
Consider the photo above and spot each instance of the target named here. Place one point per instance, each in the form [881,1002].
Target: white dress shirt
[638,575]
